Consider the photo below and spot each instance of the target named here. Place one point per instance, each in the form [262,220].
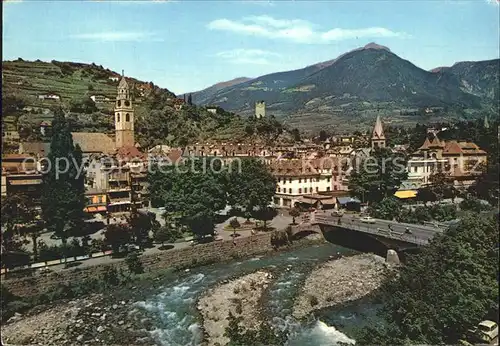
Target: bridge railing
[409,238]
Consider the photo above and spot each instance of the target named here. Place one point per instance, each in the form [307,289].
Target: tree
[190,100]
[17,213]
[250,186]
[296,135]
[192,191]
[140,225]
[235,225]
[473,204]
[323,135]
[445,290]
[294,212]
[117,235]
[265,214]
[34,231]
[426,194]
[134,263]
[82,105]
[441,186]
[388,209]
[378,176]
[167,233]
[63,188]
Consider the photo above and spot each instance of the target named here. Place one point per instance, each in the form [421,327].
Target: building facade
[460,161]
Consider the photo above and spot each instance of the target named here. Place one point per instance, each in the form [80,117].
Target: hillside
[362,83]
[202,96]
[157,121]
[479,78]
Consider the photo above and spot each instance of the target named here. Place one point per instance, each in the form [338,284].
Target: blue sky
[189,45]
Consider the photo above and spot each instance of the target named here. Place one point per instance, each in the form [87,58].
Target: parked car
[367,219]
[486,331]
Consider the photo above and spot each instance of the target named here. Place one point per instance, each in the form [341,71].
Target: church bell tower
[124,116]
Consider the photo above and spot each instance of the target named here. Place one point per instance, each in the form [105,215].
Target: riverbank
[240,297]
[97,319]
[339,281]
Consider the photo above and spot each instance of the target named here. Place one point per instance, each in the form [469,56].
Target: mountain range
[359,83]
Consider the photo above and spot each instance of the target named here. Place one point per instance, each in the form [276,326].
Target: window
[279,180]
[300,190]
[279,189]
[328,188]
[310,180]
[327,180]
[335,187]
[127,117]
[118,103]
[317,180]
[289,190]
[127,103]
[310,190]
[317,189]
[290,181]
[300,180]
[118,117]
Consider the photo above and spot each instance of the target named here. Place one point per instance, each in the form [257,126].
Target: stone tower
[378,137]
[124,116]
[260,109]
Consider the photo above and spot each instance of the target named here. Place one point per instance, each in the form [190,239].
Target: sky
[188,45]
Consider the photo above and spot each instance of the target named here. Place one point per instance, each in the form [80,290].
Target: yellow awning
[406,194]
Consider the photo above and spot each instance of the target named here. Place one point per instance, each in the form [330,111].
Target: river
[177,321]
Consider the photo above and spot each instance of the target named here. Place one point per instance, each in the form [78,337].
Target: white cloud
[116,36]
[248,56]
[297,30]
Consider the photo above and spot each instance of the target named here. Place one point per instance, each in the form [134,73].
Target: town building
[459,160]
[20,176]
[96,201]
[260,109]
[99,98]
[10,136]
[212,109]
[49,96]
[300,179]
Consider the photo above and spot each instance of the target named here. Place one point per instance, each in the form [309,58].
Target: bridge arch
[358,241]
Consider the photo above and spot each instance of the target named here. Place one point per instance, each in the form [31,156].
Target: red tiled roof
[129,152]
[426,144]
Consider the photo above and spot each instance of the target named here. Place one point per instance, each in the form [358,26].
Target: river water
[178,322]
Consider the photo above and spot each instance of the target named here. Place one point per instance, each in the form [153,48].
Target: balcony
[115,201]
[118,177]
[118,188]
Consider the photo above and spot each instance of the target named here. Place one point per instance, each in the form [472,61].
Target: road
[279,222]
[420,233]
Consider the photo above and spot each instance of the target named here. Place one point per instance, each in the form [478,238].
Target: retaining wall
[215,251]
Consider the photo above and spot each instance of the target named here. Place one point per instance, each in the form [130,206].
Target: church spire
[378,136]
[486,122]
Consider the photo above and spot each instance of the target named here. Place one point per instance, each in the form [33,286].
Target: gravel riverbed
[339,281]
[240,297]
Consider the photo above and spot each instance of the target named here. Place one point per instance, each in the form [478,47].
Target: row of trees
[193,192]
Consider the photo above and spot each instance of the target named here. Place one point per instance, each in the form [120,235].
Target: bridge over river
[378,236]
